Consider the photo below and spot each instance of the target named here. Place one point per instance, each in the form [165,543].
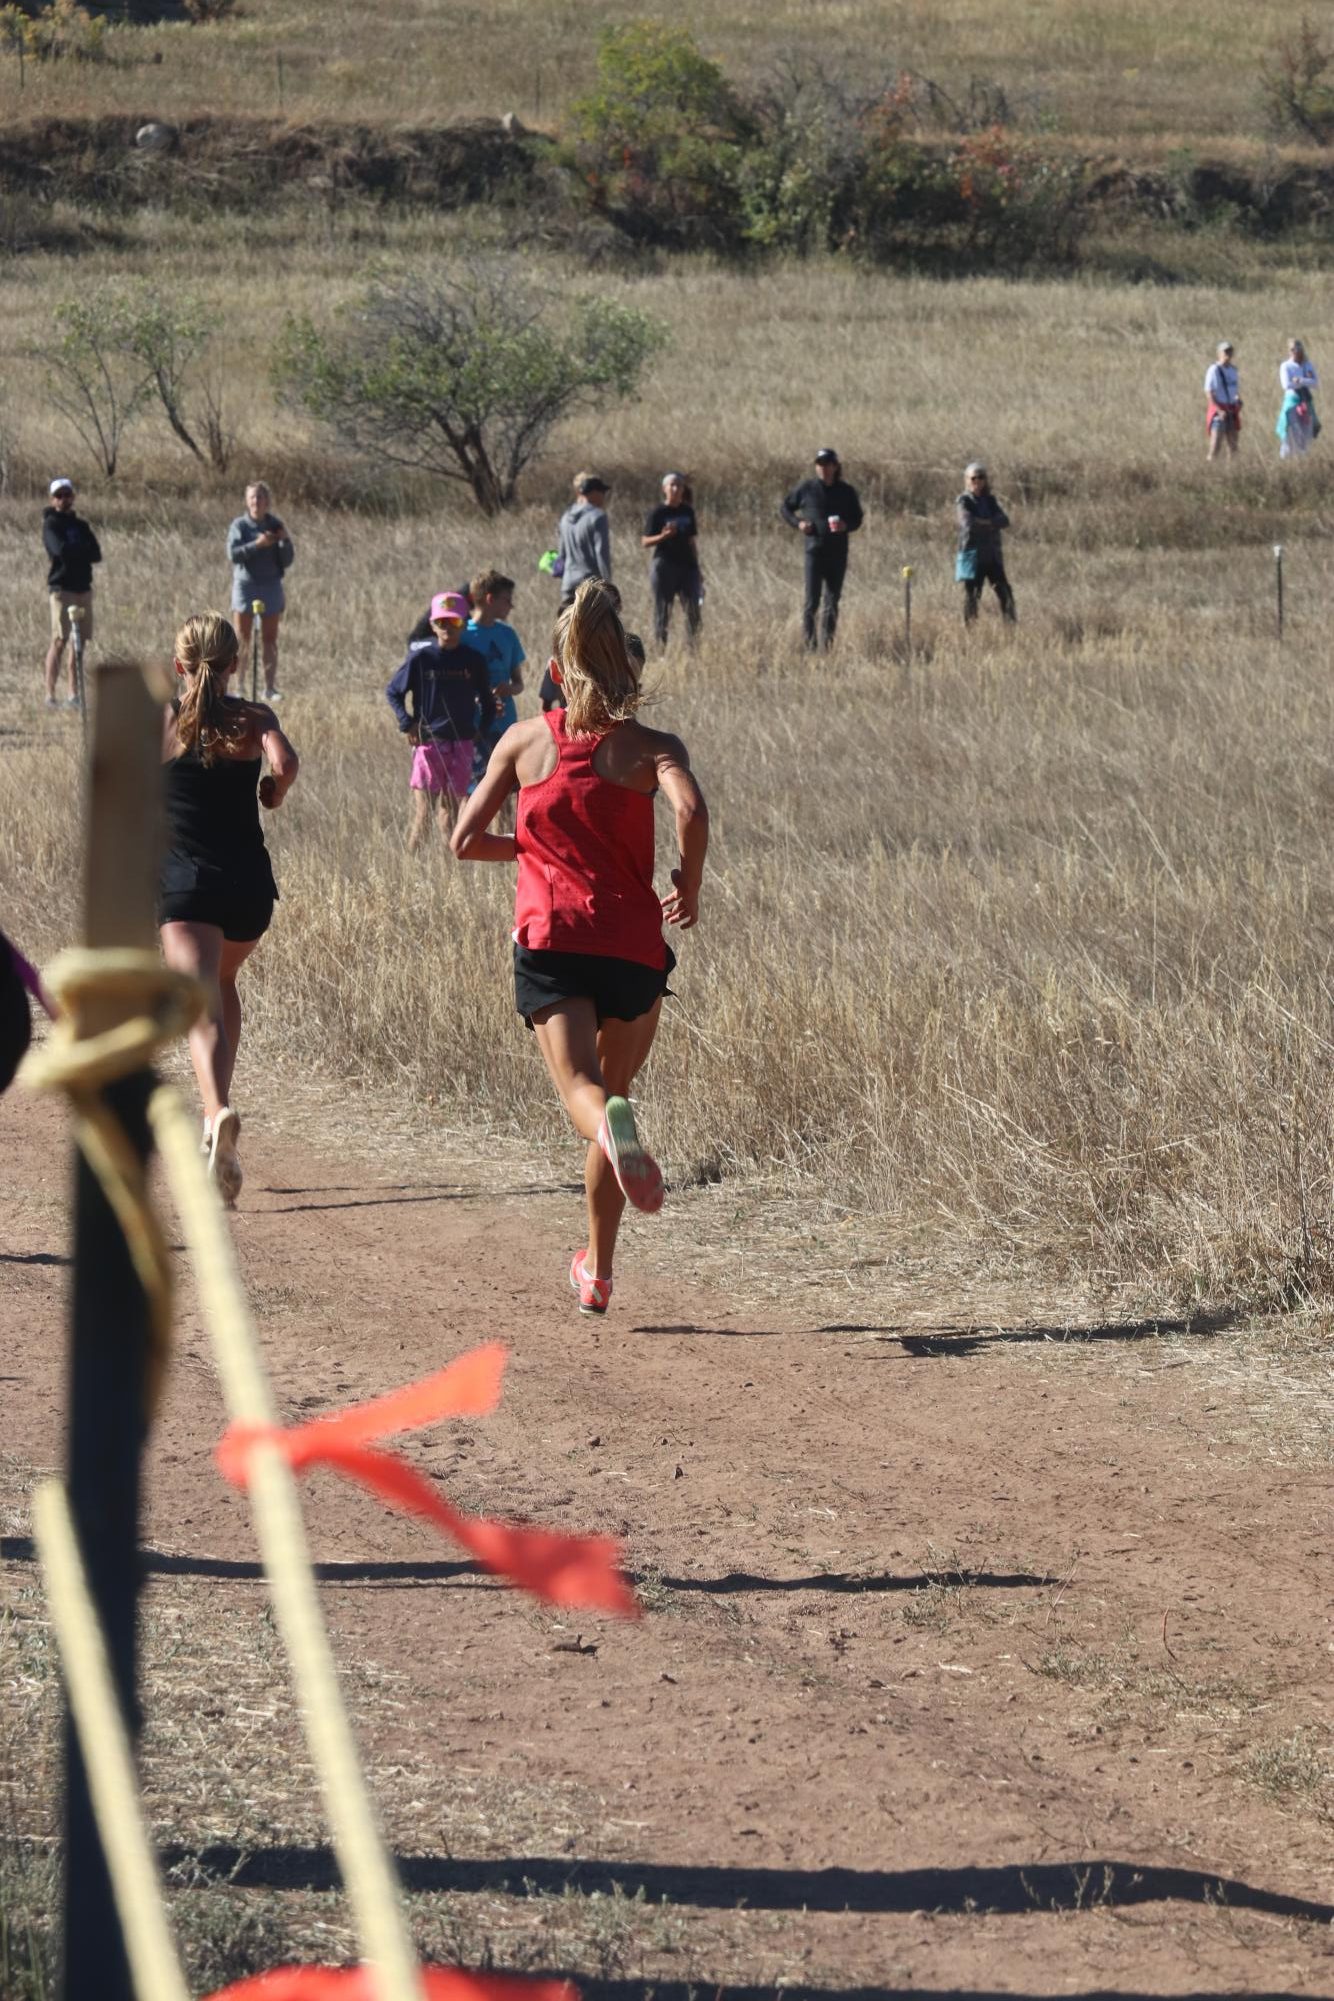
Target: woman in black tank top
[215,889]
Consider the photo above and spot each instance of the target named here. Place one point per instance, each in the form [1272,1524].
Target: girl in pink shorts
[442,697]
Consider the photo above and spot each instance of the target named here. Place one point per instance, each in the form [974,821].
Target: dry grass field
[1097,71]
[1027,936]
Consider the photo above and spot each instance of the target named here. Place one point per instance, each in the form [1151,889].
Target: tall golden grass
[1027,935]
[1104,71]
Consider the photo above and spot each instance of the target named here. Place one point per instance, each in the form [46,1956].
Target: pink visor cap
[450,606]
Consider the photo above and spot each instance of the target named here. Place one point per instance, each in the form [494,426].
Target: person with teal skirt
[1298,426]
[980,518]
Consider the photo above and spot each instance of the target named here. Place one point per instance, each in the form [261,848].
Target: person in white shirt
[1298,425]
[1222,386]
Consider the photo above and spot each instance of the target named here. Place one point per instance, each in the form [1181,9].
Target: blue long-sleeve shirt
[450,691]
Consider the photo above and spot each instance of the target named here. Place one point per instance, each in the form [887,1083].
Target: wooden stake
[1278,583]
[256,626]
[109,1342]
[907,613]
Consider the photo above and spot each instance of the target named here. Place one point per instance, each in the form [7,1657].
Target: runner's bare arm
[671,762]
[284,764]
[470,840]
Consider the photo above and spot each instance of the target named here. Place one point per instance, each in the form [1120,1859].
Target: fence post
[109,1336]
[907,614]
[1278,584]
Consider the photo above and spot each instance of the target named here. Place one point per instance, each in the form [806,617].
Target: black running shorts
[192,892]
[619,988]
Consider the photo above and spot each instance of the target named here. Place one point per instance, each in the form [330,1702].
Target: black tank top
[213,810]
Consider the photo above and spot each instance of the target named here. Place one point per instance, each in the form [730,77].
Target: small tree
[94,378]
[1297,85]
[170,338]
[462,376]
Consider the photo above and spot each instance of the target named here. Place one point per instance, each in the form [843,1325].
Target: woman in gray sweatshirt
[584,536]
[260,552]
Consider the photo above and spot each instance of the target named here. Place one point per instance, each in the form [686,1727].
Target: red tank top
[585,850]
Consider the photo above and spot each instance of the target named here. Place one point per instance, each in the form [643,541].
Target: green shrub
[658,140]
[60,28]
[1297,86]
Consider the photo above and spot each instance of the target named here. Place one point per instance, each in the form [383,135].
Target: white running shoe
[224,1168]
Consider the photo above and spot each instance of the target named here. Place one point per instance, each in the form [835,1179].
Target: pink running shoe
[593,1292]
[636,1171]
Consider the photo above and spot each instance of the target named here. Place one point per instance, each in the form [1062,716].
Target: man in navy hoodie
[72,547]
[826,510]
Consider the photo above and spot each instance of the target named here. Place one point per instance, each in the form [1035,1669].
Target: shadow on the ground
[970,1340]
[242,1570]
[34,1258]
[409,1192]
[1014,1889]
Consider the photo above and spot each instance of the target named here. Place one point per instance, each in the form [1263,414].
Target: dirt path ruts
[1001,1632]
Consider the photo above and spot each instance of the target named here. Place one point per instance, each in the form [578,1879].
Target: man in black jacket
[72,547]
[826,511]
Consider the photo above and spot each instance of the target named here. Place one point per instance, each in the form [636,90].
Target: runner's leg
[198,949]
[233,958]
[588,1064]
[623,1048]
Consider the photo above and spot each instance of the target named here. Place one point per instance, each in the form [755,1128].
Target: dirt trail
[964,1661]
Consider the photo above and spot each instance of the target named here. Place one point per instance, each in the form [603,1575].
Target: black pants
[668,581]
[826,567]
[988,572]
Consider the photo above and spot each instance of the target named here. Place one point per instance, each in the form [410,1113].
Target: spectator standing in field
[671,532]
[1298,426]
[825,510]
[584,536]
[260,552]
[590,961]
[980,518]
[1222,385]
[215,886]
[73,549]
[450,691]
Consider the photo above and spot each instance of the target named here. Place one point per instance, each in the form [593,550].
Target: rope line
[166,1004]
[372,1885]
[105,1743]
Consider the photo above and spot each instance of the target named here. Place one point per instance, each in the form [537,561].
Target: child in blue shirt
[488,634]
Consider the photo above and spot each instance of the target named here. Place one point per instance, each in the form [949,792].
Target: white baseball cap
[59,485]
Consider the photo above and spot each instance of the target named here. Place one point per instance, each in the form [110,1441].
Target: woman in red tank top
[590,961]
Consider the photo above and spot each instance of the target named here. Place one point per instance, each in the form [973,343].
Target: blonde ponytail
[206,647]
[600,680]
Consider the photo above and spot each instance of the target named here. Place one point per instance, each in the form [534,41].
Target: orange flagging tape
[353,1983]
[575,1571]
